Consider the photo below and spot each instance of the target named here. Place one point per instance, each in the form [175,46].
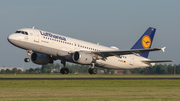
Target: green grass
[83,76]
[90,90]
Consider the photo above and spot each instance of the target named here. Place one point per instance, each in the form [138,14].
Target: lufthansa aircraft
[45,47]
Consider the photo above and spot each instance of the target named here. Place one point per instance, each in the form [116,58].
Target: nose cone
[10,38]
[14,39]
[17,40]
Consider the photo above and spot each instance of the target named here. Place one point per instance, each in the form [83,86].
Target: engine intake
[40,59]
[83,58]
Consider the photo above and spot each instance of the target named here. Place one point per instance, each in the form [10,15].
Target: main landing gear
[92,70]
[28,54]
[64,70]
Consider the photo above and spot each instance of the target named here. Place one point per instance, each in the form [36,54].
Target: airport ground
[89,90]
[59,75]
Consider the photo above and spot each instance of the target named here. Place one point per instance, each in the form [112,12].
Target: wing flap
[125,52]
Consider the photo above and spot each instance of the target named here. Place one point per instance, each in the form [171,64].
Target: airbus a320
[45,47]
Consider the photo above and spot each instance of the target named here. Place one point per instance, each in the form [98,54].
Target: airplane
[44,47]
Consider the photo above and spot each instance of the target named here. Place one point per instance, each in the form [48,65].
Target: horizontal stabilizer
[156,61]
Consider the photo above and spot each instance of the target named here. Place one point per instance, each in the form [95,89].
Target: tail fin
[145,41]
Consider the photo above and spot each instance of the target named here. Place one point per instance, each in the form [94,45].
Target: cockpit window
[23,32]
[18,32]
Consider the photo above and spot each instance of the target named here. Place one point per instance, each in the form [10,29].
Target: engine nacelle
[83,58]
[40,59]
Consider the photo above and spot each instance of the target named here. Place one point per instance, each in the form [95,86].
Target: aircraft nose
[10,38]
[13,38]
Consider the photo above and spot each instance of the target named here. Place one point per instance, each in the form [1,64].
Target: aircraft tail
[145,41]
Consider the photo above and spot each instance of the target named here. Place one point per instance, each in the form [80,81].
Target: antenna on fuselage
[33,27]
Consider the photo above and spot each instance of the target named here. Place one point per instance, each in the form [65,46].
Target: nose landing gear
[28,54]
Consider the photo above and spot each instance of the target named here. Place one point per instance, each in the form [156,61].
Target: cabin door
[131,60]
[36,36]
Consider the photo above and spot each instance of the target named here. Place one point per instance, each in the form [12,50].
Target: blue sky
[117,23]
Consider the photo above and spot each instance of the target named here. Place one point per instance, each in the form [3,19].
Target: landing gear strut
[92,70]
[64,70]
[28,54]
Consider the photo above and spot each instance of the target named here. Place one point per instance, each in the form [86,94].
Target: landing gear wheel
[28,54]
[64,70]
[92,71]
[26,60]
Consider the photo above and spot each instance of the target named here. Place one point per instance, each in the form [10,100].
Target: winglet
[33,27]
[163,49]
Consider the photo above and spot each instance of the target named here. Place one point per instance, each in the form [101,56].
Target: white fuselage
[62,47]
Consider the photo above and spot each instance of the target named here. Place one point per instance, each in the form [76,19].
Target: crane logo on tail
[146,42]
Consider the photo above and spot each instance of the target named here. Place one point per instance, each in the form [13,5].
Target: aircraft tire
[64,70]
[94,70]
[90,71]
[26,60]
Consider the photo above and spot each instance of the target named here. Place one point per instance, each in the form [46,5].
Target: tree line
[76,68]
[158,69]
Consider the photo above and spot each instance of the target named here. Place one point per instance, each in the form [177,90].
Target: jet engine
[82,58]
[40,59]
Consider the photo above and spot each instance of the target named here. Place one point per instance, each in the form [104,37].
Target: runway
[89,78]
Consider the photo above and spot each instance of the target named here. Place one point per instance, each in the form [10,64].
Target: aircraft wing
[156,61]
[125,52]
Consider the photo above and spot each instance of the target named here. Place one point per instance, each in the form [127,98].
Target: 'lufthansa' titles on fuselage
[52,35]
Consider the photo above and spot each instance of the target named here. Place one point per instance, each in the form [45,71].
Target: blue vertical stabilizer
[145,41]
